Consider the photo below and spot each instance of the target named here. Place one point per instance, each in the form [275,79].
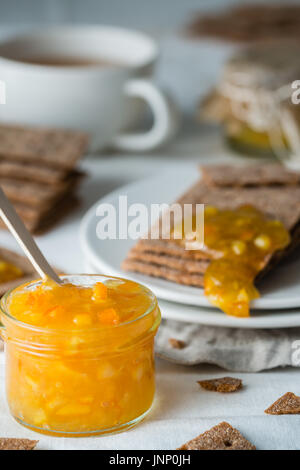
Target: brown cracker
[35,194]
[35,214]
[53,147]
[168,247]
[249,23]
[256,175]
[8,443]
[178,263]
[222,385]
[288,404]
[186,276]
[40,221]
[220,437]
[34,172]
[282,203]
[177,343]
[55,216]
[174,275]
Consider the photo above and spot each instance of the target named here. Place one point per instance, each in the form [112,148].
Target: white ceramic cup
[101,100]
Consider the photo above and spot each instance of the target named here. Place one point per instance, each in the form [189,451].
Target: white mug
[95,98]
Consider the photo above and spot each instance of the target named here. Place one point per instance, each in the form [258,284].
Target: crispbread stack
[250,23]
[270,188]
[38,174]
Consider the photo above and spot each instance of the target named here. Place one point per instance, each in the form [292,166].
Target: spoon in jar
[25,240]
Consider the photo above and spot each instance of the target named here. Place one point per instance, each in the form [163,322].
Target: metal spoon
[25,240]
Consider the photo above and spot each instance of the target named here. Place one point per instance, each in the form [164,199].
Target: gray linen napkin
[243,350]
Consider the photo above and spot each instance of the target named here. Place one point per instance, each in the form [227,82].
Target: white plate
[210,316]
[280,289]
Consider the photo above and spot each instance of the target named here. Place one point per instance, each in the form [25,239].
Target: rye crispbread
[249,23]
[256,175]
[38,195]
[221,385]
[34,215]
[220,437]
[38,222]
[174,275]
[285,405]
[169,248]
[279,202]
[10,443]
[35,172]
[173,262]
[54,147]
[169,260]
[53,217]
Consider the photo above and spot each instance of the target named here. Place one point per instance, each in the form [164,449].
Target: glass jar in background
[252,101]
[80,382]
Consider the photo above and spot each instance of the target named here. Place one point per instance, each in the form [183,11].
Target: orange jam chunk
[100,291]
[81,361]
[241,242]
[109,316]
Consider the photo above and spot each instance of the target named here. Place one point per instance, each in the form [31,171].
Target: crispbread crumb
[7,443]
[222,385]
[177,343]
[288,404]
[220,437]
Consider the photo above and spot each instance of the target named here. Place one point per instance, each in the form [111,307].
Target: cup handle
[165,118]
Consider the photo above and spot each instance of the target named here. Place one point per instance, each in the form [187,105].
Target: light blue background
[146,14]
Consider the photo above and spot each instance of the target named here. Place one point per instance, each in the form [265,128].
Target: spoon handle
[25,240]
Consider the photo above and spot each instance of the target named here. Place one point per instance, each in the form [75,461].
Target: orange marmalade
[9,272]
[79,356]
[240,243]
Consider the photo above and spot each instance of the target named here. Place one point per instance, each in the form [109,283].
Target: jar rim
[8,294]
